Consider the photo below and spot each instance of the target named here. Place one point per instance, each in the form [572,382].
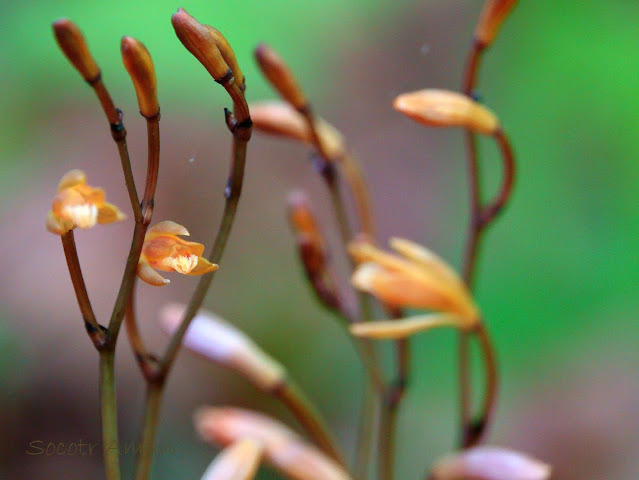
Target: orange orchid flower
[79,205]
[163,250]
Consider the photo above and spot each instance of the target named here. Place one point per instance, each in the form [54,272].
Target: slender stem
[144,359]
[152,406]
[108,405]
[241,130]
[365,349]
[361,196]
[139,232]
[95,331]
[308,416]
[472,244]
[365,432]
[118,132]
[393,397]
[480,218]
[475,430]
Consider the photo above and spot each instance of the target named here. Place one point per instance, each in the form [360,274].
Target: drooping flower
[163,250]
[79,205]
[414,277]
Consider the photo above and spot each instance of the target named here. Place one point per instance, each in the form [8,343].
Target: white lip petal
[84,215]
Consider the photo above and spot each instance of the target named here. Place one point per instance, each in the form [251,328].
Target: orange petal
[203,266]
[71,179]
[150,276]
[109,213]
[405,327]
[169,227]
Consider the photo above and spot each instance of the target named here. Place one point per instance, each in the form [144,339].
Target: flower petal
[57,225]
[239,461]
[150,276]
[71,179]
[109,213]
[405,327]
[167,226]
[203,266]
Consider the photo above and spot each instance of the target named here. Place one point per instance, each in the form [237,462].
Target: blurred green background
[557,278]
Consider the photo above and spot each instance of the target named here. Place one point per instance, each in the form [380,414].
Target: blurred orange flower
[79,205]
[164,250]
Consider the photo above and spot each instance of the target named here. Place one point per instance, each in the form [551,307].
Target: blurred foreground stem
[108,406]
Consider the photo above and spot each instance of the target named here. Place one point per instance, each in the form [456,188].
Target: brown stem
[144,359]
[394,395]
[118,132]
[94,329]
[295,400]
[480,218]
[241,127]
[139,231]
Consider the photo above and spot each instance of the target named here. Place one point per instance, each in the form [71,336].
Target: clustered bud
[198,40]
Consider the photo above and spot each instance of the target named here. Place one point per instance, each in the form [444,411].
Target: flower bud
[405,327]
[492,16]
[489,463]
[279,118]
[239,461]
[198,40]
[442,108]
[74,47]
[227,54]
[284,449]
[138,63]
[280,76]
[219,341]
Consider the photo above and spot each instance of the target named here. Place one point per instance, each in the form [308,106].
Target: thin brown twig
[94,329]
[239,123]
[142,356]
[480,218]
[306,414]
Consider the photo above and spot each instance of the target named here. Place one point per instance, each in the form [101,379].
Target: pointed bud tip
[138,63]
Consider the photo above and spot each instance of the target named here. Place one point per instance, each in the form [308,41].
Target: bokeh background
[557,278]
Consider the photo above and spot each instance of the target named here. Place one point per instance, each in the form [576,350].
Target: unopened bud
[490,463]
[239,461]
[200,42]
[442,108]
[284,449]
[279,118]
[228,54]
[138,63]
[406,327]
[219,341]
[280,76]
[301,217]
[74,47]
[492,16]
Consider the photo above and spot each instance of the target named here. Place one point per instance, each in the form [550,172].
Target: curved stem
[95,331]
[142,356]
